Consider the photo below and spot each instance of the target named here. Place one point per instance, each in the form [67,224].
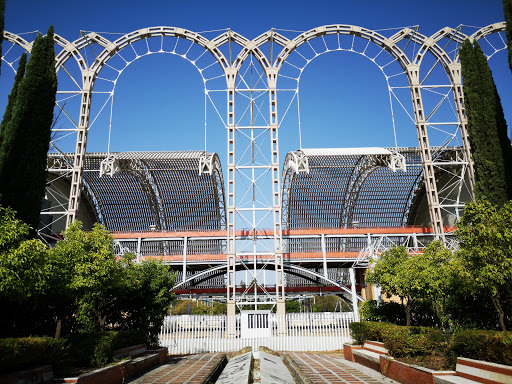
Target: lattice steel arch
[410,68]
[219,269]
[272,69]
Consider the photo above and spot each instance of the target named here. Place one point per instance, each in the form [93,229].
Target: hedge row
[493,346]
[97,349]
[402,341]
[24,352]
[80,350]
[399,340]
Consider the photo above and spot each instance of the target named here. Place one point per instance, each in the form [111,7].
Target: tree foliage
[430,277]
[192,307]
[144,296]
[388,271]
[471,287]
[27,134]
[20,73]
[507,8]
[23,274]
[79,284]
[487,128]
[434,276]
[485,235]
[106,292]
[91,273]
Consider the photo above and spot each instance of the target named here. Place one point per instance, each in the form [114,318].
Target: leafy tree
[27,134]
[487,128]
[92,276]
[330,303]
[435,277]
[485,235]
[387,272]
[80,283]
[143,297]
[20,73]
[23,272]
[184,307]
[292,306]
[507,8]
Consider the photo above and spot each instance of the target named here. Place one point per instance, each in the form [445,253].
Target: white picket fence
[304,332]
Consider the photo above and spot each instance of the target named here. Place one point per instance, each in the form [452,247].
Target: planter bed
[38,375]
[467,371]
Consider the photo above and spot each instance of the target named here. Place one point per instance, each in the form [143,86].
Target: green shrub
[400,341]
[358,332]
[492,346]
[404,341]
[387,311]
[368,331]
[97,349]
[25,352]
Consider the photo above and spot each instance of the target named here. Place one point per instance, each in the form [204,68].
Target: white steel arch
[410,67]
[251,74]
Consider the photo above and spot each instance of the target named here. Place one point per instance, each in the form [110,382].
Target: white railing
[304,332]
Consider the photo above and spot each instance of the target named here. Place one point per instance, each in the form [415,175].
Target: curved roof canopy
[141,191]
[333,188]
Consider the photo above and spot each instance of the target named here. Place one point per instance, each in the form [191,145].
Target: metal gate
[304,332]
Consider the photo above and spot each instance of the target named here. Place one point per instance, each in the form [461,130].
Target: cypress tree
[27,134]
[490,145]
[2,25]
[507,8]
[8,109]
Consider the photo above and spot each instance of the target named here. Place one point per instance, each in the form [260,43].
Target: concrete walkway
[332,368]
[192,369]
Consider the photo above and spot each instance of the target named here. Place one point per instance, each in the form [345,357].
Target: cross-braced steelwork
[251,88]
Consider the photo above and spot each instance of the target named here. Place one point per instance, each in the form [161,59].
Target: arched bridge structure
[251,84]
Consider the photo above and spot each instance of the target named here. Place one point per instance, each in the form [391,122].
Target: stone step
[453,379]
[237,370]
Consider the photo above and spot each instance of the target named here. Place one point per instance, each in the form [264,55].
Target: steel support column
[355,307]
[230,220]
[276,197]
[81,145]
[429,176]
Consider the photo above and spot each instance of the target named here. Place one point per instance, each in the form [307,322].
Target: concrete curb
[297,373]
[216,371]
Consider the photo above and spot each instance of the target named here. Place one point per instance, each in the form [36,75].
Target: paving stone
[332,368]
[193,369]
[273,370]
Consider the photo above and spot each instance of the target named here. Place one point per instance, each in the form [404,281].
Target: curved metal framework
[424,84]
[290,269]
[155,191]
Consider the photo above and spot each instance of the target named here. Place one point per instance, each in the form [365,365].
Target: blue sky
[159,101]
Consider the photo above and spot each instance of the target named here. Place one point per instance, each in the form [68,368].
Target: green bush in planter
[26,352]
[412,341]
[399,340]
[492,346]
[97,349]
[366,330]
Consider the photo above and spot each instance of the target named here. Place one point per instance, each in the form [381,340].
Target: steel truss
[249,77]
